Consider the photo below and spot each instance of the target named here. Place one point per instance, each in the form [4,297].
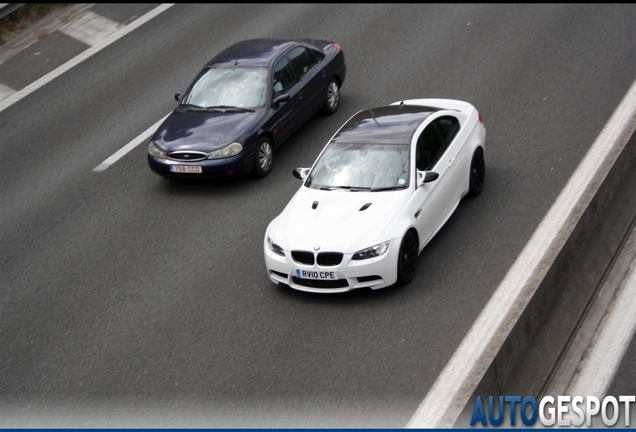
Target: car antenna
[373,116]
[235,62]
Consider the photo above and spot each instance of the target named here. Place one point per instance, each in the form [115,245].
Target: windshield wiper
[226,108]
[388,188]
[192,107]
[349,188]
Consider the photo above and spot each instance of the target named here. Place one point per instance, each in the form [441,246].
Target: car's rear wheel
[333,97]
[263,157]
[407,259]
[477,172]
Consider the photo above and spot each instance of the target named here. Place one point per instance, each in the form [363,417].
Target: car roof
[393,124]
[252,52]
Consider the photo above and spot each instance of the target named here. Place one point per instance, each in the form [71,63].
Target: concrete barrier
[506,351]
[528,360]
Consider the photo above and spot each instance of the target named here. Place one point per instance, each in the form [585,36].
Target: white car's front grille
[325,259]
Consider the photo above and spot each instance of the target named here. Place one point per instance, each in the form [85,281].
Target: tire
[477,173]
[263,157]
[332,102]
[407,259]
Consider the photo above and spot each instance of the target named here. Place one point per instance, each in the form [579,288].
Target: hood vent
[366,206]
[314,205]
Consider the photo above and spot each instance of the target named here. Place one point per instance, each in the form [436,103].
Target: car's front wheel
[477,173]
[263,157]
[407,259]
[333,97]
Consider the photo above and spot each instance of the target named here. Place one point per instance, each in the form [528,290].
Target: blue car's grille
[188,156]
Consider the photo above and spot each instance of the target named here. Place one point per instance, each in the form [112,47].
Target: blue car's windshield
[229,87]
[356,167]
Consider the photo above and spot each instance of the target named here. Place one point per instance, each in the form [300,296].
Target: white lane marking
[5,92]
[445,401]
[90,28]
[611,342]
[145,135]
[4,104]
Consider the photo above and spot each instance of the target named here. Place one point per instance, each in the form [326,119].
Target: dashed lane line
[128,147]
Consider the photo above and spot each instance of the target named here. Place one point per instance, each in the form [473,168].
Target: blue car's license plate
[186,169]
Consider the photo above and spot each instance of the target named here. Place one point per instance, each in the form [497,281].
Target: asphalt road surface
[130,300]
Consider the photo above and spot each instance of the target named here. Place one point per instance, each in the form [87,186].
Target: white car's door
[439,197]
[454,157]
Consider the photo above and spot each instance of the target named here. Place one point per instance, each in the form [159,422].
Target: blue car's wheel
[263,157]
[333,97]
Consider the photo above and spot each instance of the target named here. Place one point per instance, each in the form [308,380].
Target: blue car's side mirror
[178,97]
[280,99]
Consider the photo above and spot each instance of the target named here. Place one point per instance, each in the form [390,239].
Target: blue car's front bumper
[233,166]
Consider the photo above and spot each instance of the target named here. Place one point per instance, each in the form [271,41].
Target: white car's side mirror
[426,177]
[301,173]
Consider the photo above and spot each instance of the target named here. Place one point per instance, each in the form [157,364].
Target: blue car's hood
[204,131]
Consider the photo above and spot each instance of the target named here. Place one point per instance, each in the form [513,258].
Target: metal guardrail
[7,8]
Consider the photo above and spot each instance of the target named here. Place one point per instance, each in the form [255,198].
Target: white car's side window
[428,146]
[434,141]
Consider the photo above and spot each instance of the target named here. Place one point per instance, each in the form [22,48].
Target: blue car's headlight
[372,252]
[231,150]
[155,151]
[274,247]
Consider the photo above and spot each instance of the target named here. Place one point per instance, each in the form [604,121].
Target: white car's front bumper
[351,274]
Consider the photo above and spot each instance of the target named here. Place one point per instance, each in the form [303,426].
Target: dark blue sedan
[243,104]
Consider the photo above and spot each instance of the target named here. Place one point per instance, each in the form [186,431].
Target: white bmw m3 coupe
[379,191]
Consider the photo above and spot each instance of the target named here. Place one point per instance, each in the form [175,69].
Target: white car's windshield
[374,167]
[229,87]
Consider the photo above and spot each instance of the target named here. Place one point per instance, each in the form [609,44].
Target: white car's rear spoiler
[448,104]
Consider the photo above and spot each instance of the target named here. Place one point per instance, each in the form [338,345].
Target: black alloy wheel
[477,173]
[407,259]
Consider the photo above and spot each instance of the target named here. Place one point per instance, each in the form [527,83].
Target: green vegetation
[21,18]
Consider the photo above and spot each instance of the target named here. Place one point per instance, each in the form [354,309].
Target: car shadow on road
[355,297]
[204,187]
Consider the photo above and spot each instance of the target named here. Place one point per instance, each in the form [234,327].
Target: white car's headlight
[231,150]
[155,151]
[372,252]
[274,247]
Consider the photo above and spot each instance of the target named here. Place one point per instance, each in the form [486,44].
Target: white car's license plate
[316,274]
[186,169]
